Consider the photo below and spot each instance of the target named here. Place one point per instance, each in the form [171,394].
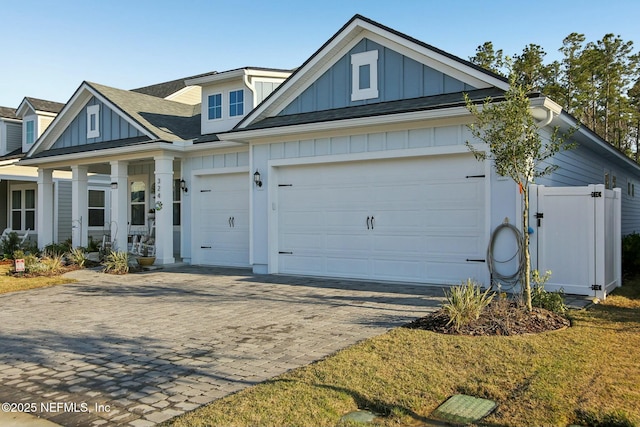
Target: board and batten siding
[112,127]
[399,77]
[264,89]
[581,166]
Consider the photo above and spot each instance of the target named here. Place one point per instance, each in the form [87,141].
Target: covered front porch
[141,202]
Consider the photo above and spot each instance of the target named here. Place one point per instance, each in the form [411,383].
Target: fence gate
[577,236]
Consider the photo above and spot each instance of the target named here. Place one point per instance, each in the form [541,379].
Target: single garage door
[417,220]
[221,226]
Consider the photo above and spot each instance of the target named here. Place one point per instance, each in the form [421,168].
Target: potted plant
[145,259]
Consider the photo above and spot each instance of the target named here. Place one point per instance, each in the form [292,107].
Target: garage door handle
[205,247]
[233,221]
[368,222]
[373,222]
[229,221]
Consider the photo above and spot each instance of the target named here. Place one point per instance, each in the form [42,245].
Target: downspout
[252,88]
[544,122]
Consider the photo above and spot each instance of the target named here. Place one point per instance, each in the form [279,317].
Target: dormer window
[30,133]
[93,121]
[364,75]
[236,103]
[215,106]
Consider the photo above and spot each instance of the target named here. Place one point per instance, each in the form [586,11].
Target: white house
[18,184]
[354,165]
[142,141]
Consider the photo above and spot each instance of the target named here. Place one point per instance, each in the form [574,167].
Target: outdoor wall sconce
[114,185]
[257,178]
[183,185]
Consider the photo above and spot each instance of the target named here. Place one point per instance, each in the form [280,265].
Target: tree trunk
[526,282]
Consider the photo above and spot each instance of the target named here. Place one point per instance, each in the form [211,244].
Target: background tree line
[596,82]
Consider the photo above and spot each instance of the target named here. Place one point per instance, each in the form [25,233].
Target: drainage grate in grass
[359,417]
[464,409]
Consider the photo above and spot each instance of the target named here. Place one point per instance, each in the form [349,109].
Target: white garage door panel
[408,220]
[221,234]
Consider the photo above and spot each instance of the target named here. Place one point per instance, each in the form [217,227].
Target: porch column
[164,209]
[79,206]
[119,211]
[45,207]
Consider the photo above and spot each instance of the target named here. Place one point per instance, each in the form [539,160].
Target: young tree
[516,149]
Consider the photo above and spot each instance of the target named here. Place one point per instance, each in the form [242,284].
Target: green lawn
[588,371]
[9,283]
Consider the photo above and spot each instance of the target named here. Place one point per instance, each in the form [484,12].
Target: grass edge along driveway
[590,371]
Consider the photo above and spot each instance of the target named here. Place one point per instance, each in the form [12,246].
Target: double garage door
[416,220]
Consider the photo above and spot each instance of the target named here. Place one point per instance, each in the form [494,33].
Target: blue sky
[50,47]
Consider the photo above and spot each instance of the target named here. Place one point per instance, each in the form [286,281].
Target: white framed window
[364,75]
[23,207]
[236,103]
[30,131]
[139,196]
[93,121]
[214,105]
[97,208]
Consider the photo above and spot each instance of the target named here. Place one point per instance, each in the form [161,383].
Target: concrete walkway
[139,349]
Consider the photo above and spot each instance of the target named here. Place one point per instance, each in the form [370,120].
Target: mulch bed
[499,318]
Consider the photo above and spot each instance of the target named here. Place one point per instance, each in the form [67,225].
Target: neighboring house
[354,165]
[18,184]
[143,144]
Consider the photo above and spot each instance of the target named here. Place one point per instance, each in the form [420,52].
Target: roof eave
[374,120]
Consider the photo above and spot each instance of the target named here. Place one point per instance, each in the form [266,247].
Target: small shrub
[10,244]
[116,263]
[552,301]
[631,255]
[52,264]
[611,419]
[56,249]
[77,256]
[465,303]
[93,246]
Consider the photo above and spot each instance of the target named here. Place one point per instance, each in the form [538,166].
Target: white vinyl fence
[576,235]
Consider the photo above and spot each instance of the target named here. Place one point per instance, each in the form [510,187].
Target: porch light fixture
[183,185]
[257,179]
[114,185]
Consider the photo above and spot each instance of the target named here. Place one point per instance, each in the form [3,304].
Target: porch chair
[24,237]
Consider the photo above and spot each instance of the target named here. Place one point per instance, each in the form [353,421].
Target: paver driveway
[139,349]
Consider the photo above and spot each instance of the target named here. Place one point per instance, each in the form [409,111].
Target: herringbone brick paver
[139,349]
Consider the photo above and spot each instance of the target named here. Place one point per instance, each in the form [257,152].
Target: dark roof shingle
[381,108]
[8,113]
[44,105]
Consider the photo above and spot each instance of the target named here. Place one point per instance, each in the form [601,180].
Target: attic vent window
[93,121]
[364,75]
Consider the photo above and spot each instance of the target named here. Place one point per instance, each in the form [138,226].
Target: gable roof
[166,120]
[353,31]
[163,90]
[8,113]
[39,106]
[156,118]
